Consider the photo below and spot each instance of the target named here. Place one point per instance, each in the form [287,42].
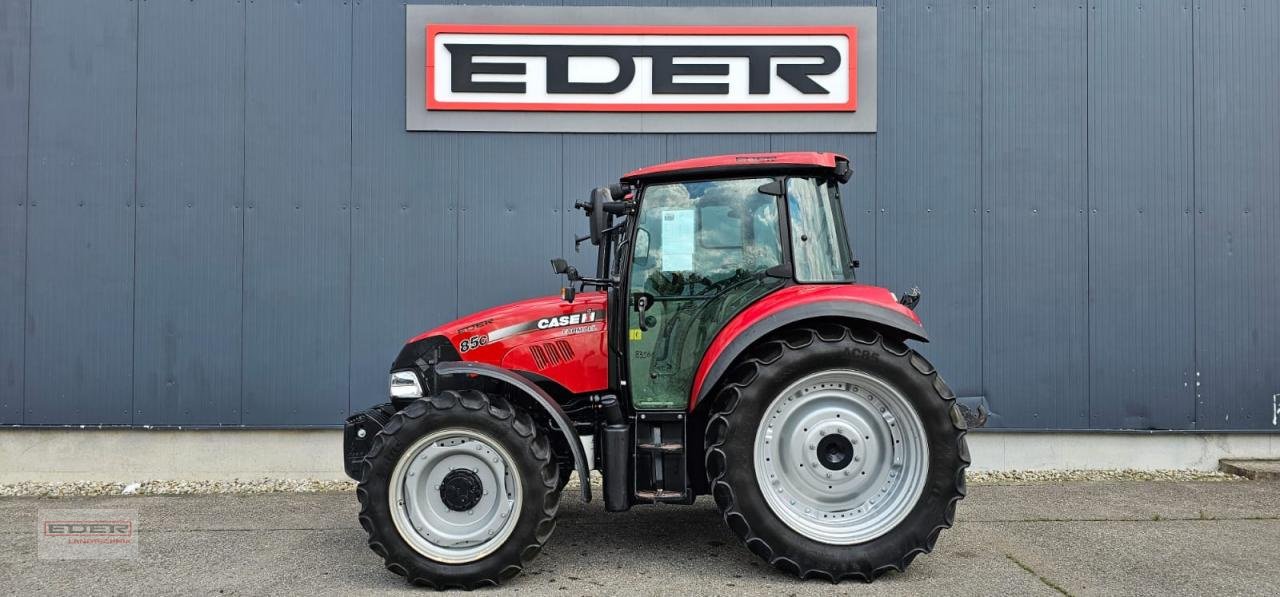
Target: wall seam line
[1088,228]
[26,224]
[244,188]
[1194,377]
[351,195]
[982,200]
[133,327]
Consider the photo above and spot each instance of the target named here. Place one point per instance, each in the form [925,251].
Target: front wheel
[459,491]
[834,453]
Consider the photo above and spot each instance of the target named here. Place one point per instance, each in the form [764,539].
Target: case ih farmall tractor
[722,347]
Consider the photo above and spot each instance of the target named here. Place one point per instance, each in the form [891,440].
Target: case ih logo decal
[573,323]
[563,320]
[660,68]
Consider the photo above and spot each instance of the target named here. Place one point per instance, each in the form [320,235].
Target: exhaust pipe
[617,456]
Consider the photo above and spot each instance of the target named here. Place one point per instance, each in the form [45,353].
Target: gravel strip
[237,486]
[1077,476]
[247,486]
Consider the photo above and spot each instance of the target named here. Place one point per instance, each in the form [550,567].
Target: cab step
[660,475]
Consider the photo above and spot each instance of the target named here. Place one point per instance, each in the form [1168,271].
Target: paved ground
[1075,538]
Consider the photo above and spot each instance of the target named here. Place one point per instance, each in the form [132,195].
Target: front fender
[539,396]
[794,304]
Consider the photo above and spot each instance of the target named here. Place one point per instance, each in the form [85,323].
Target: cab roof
[755,162]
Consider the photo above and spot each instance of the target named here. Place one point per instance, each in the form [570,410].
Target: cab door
[701,253]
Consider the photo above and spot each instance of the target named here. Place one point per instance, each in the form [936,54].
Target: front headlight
[404,384]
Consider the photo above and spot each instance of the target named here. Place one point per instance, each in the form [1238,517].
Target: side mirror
[562,267]
[599,219]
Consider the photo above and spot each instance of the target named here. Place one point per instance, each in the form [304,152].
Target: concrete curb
[1258,470]
[127,455]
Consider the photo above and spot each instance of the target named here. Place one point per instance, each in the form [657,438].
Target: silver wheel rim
[841,417]
[419,512]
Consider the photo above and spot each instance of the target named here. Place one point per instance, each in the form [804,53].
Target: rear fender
[539,397]
[792,305]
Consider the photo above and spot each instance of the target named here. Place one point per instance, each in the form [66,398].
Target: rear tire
[862,530]
[503,505]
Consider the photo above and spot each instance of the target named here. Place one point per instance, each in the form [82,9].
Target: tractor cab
[705,239]
[721,347]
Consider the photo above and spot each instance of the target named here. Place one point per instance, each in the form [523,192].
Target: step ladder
[660,458]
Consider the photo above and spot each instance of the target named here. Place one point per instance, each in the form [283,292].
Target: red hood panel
[565,342]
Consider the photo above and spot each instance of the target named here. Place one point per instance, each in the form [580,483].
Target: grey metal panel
[510,190]
[591,161]
[825,3]
[1141,342]
[1034,245]
[79,327]
[189,218]
[1237,153]
[611,3]
[15,64]
[858,197]
[928,222]
[680,147]
[404,224]
[297,225]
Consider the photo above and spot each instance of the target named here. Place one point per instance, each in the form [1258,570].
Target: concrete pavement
[1076,538]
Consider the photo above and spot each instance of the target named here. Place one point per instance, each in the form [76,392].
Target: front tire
[459,491]
[834,453]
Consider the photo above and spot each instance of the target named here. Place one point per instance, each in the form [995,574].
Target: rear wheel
[834,453]
[459,490]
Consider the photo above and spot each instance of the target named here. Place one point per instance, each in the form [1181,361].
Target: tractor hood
[547,336]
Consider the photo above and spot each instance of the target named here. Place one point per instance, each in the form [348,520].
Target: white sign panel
[641,69]
[594,69]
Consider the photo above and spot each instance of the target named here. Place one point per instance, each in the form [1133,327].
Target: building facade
[212,214]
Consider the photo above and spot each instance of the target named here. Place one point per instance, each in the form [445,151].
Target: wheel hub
[835,452]
[461,489]
[841,457]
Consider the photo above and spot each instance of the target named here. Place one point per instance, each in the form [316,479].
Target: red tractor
[722,347]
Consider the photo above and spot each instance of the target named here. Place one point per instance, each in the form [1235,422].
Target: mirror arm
[597,282]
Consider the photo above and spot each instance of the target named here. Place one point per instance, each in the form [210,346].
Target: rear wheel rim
[455,496]
[841,457]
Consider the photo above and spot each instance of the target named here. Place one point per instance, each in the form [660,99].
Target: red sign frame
[434,29]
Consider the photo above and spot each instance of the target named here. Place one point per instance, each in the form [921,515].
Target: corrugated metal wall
[210,212]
